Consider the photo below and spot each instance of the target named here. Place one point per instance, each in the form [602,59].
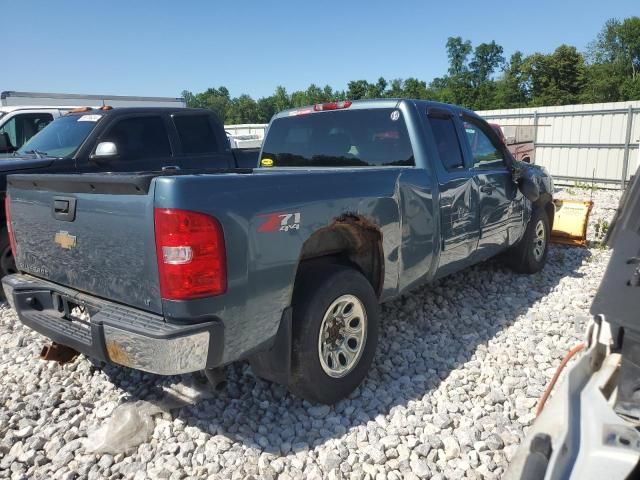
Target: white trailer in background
[70,100]
[23,114]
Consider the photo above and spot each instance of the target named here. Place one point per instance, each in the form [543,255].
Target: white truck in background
[23,114]
[246,135]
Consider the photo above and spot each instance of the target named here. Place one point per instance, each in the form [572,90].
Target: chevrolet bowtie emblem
[65,240]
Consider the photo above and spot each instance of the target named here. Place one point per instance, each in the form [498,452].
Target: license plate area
[76,313]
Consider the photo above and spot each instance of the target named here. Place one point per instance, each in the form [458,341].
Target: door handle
[488,189]
[64,208]
[61,206]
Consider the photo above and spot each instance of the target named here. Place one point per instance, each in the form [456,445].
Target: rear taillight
[7,213]
[319,107]
[191,254]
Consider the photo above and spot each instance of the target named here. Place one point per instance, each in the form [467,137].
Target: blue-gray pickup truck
[282,265]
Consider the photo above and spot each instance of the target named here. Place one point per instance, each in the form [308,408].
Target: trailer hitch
[58,353]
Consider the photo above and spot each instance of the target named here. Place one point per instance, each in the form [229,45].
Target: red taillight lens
[191,255]
[319,107]
[7,214]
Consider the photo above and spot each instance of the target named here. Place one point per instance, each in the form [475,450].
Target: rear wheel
[335,332]
[529,255]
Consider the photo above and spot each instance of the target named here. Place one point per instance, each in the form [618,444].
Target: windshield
[62,137]
[341,138]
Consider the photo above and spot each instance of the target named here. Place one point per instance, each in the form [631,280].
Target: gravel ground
[459,369]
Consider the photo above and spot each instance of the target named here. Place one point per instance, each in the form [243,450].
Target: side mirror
[105,151]
[529,188]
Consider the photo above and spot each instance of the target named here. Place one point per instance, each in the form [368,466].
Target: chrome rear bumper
[114,333]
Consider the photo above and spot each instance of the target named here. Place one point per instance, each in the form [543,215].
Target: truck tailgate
[93,233]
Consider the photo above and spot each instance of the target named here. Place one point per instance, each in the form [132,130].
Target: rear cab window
[340,138]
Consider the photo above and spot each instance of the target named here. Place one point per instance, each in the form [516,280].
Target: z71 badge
[279,222]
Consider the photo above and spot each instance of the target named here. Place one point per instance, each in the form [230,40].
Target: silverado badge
[65,240]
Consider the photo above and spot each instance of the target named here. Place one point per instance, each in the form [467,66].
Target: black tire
[317,289]
[522,257]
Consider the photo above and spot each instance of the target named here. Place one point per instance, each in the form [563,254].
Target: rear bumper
[114,333]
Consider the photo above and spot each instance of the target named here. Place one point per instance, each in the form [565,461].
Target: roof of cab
[380,103]
[116,111]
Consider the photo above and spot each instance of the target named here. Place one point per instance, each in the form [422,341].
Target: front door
[500,208]
[142,142]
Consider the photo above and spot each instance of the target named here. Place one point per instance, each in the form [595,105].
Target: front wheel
[529,255]
[335,332]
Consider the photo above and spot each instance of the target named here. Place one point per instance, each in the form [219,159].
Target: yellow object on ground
[570,222]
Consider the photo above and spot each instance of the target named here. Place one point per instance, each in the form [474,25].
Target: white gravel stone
[459,369]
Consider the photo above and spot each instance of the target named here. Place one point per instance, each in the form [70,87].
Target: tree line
[478,78]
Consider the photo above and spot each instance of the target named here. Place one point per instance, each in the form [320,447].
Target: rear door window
[140,137]
[196,134]
[342,138]
[447,143]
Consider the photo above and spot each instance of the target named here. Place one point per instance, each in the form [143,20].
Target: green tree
[281,99]
[487,58]
[458,52]
[511,89]
[614,70]
[414,88]
[556,79]
[357,89]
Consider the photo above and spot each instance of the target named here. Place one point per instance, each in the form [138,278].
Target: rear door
[459,201]
[142,141]
[200,142]
[500,207]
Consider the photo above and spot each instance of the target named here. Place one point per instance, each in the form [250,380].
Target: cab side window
[486,155]
[447,143]
[196,134]
[140,137]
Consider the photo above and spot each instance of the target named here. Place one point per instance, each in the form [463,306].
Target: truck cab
[23,114]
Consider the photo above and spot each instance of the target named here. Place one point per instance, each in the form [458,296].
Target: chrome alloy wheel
[539,240]
[343,335]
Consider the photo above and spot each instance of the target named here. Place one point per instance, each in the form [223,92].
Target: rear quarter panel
[262,258]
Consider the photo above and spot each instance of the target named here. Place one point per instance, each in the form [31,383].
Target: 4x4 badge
[65,240]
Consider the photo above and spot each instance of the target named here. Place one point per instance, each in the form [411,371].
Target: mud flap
[274,364]
[571,221]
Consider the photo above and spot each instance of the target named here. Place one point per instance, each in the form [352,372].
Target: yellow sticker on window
[266,162]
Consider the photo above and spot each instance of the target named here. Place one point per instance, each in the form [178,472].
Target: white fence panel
[581,142]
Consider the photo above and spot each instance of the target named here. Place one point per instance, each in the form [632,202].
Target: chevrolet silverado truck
[282,265]
[121,139]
